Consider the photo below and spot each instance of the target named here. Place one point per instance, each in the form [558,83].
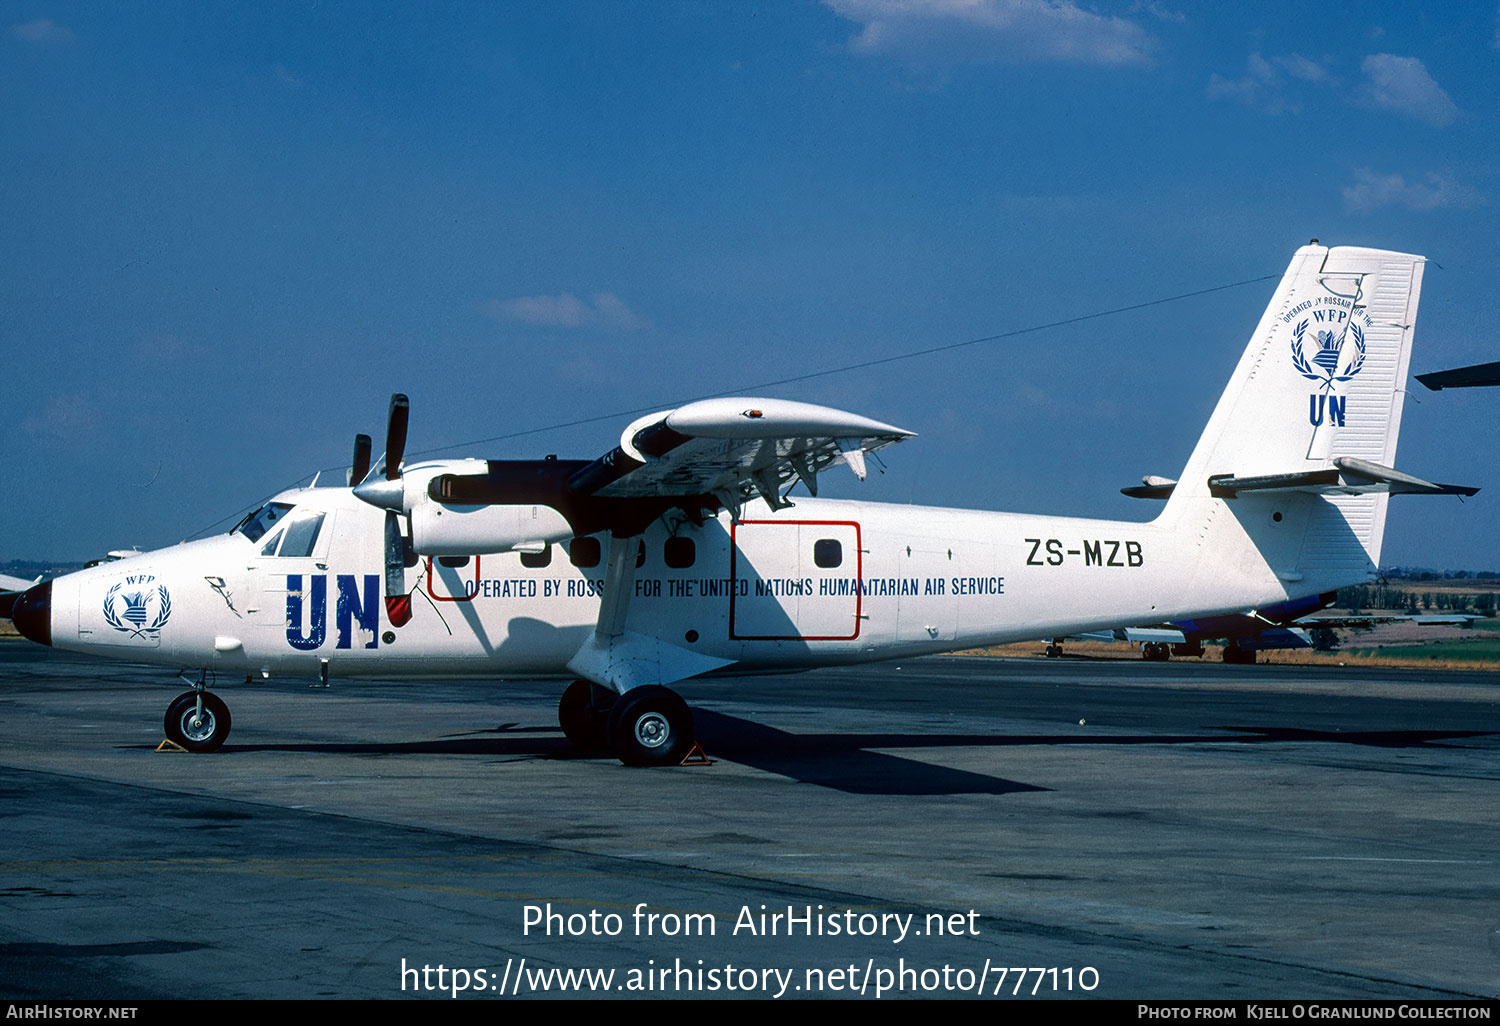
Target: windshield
[263,519]
[299,536]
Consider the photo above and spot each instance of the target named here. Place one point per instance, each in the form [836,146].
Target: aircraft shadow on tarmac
[846,762]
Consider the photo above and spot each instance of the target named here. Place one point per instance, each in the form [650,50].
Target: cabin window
[584,552]
[828,553]
[679,553]
[269,548]
[453,562]
[537,560]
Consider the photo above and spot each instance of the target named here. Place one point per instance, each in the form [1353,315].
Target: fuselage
[822,582]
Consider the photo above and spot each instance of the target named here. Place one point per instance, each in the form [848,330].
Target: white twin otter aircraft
[679,553]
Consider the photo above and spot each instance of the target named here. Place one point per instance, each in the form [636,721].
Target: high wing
[10,588]
[9,583]
[1275,627]
[707,454]
[1137,635]
[734,449]
[1364,622]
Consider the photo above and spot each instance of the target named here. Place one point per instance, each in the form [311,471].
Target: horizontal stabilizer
[1151,487]
[1347,476]
[1462,377]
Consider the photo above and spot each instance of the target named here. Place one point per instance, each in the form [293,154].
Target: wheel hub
[652,730]
[198,727]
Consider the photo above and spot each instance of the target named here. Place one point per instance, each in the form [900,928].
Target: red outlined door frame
[859,577]
[451,598]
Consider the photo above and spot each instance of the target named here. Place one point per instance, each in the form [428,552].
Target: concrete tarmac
[1146,830]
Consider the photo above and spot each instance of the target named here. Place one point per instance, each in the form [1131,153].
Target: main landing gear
[1233,653]
[646,726]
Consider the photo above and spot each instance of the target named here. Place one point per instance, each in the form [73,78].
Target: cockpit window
[301,534]
[263,519]
[297,538]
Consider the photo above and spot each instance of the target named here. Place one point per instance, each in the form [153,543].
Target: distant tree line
[1360,597]
[1412,573]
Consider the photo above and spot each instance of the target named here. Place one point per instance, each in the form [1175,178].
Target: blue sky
[230,231]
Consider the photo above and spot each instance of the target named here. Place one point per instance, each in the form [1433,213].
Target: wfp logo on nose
[142,610]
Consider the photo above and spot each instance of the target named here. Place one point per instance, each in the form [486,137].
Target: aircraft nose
[32,613]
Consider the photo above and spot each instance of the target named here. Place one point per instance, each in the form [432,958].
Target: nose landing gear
[197,720]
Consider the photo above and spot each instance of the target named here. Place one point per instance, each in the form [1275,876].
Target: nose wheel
[198,728]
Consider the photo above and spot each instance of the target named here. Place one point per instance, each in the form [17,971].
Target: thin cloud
[1374,191]
[1300,67]
[604,311]
[42,30]
[1004,31]
[1270,83]
[1402,84]
[1158,10]
[65,418]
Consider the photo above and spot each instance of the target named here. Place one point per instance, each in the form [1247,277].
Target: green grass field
[1486,649]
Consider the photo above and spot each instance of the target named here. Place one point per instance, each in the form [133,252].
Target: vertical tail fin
[1323,378]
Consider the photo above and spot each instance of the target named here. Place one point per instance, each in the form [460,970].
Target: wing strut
[619,580]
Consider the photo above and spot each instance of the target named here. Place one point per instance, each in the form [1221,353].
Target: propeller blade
[360,468]
[397,602]
[395,435]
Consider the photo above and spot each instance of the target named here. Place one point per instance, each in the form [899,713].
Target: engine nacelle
[442,529]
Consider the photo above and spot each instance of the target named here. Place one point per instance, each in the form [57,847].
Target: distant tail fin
[1322,379]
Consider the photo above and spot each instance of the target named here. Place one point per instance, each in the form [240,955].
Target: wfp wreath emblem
[1328,346]
[138,607]
[1329,358]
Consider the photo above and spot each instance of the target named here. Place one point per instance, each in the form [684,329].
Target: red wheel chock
[696,756]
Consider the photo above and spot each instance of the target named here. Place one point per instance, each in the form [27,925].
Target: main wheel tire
[651,726]
[185,727]
[583,714]
[1239,656]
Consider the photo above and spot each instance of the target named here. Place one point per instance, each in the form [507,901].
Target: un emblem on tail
[137,607]
[1328,346]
